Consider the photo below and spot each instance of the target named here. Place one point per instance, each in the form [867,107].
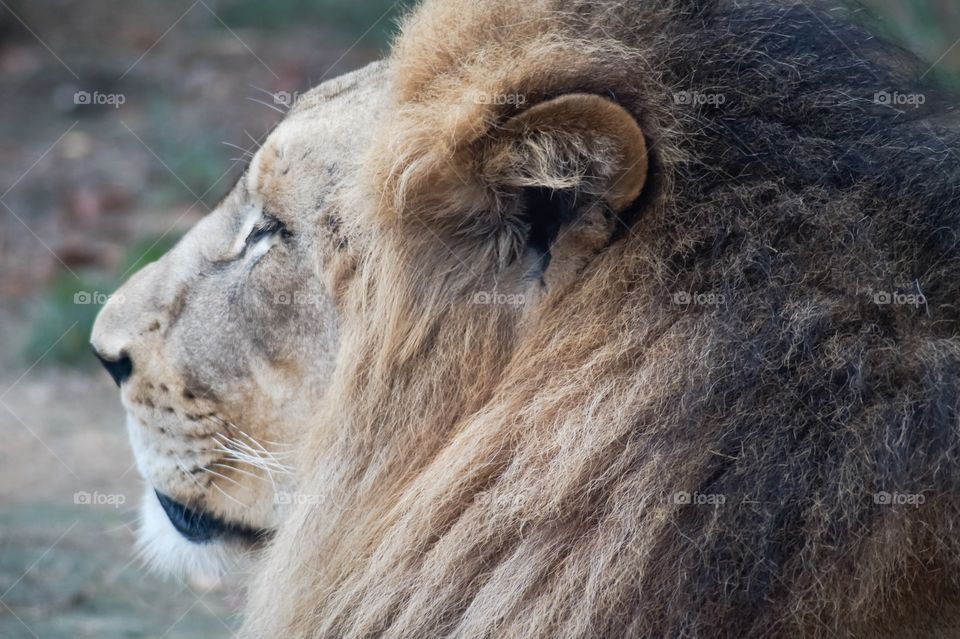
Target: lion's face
[223,347]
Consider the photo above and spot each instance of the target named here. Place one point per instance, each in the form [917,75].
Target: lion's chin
[167,551]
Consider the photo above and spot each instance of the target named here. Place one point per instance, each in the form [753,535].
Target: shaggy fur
[690,432]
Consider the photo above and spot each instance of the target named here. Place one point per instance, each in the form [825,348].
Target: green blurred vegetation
[199,162]
[197,158]
[929,28]
[372,20]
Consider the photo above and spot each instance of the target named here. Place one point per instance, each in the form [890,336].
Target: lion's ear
[580,147]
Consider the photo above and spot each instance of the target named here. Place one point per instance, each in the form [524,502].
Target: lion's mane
[712,433]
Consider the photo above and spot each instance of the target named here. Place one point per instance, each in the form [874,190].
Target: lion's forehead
[341,87]
[322,137]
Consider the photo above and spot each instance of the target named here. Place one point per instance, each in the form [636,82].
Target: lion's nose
[119,368]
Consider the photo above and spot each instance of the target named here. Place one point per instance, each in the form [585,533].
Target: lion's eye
[269,226]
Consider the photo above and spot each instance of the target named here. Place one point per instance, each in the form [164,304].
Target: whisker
[242,471]
[255,141]
[186,472]
[255,442]
[261,90]
[221,475]
[253,460]
[280,445]
[233,426]
[261,453]
[244,433]
[230,497]
[268,105]
[256,462]
[246,152]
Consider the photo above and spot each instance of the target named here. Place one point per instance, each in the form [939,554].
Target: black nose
[119,369]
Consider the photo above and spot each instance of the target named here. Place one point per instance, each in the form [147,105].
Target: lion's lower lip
[200,527]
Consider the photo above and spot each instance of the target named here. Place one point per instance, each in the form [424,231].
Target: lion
[573,318]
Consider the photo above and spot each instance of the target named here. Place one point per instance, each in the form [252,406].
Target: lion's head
[224,346]
[224,349]
[602,344]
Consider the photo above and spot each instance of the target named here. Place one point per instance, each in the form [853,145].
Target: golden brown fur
[610,362]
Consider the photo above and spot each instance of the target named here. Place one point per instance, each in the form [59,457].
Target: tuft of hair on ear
[577,142]
[564,156]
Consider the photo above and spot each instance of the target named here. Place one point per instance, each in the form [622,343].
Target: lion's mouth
[200,527]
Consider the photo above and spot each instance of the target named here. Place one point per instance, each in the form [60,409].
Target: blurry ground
[88,193]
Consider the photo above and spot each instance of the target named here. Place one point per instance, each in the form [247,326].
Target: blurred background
[121,124]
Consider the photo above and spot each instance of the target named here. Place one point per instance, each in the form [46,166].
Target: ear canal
[575,129]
